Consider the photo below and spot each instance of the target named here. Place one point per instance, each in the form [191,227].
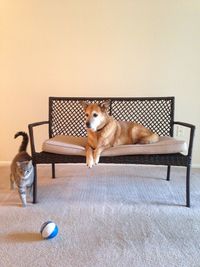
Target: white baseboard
[195,165]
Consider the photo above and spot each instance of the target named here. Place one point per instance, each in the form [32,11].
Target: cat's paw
[24,205]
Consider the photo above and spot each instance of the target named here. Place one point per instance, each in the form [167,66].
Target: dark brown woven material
[66,117]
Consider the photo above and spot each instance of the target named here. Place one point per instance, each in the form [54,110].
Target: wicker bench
[66,118]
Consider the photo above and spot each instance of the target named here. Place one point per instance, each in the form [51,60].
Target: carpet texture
[109,216]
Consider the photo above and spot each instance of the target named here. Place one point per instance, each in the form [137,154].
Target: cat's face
[24,167]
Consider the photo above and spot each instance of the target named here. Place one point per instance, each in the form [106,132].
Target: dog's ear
[105,105]
[84,104]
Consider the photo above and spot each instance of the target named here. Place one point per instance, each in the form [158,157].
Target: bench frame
[61,110]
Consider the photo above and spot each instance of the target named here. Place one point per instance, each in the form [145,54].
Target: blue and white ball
[49,230]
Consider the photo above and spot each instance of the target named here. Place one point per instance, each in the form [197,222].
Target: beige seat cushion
[70,145]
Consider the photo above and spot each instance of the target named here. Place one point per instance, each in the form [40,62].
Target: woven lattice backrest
[66,115]
[153,113]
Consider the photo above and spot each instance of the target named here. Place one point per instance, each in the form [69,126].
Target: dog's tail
[24,143]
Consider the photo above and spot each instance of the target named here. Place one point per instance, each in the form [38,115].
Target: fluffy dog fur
[104,131]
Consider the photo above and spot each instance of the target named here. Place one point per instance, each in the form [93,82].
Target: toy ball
[49,230]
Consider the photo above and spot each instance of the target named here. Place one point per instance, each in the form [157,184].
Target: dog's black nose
[88,124]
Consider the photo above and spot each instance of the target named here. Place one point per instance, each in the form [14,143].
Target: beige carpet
[110,216]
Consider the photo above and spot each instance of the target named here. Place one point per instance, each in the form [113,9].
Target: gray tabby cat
[22,172]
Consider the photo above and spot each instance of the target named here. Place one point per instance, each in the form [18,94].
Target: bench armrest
[31,133]
[191,136]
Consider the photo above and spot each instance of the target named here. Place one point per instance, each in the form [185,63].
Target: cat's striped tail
[24,143]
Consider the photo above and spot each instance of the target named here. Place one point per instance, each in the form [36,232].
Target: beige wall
[96,48]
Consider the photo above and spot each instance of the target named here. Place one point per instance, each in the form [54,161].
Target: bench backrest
[66,115]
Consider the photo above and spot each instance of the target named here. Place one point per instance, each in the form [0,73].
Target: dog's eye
[95,115]
[86,115]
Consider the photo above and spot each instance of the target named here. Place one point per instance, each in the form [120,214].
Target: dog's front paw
[96,159]
[90,162]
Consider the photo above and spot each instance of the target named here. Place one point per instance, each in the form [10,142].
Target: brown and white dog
[103,131]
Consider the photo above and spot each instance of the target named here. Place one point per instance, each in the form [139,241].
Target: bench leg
[35,184]
[53,171]
[188,187]
[168,172]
